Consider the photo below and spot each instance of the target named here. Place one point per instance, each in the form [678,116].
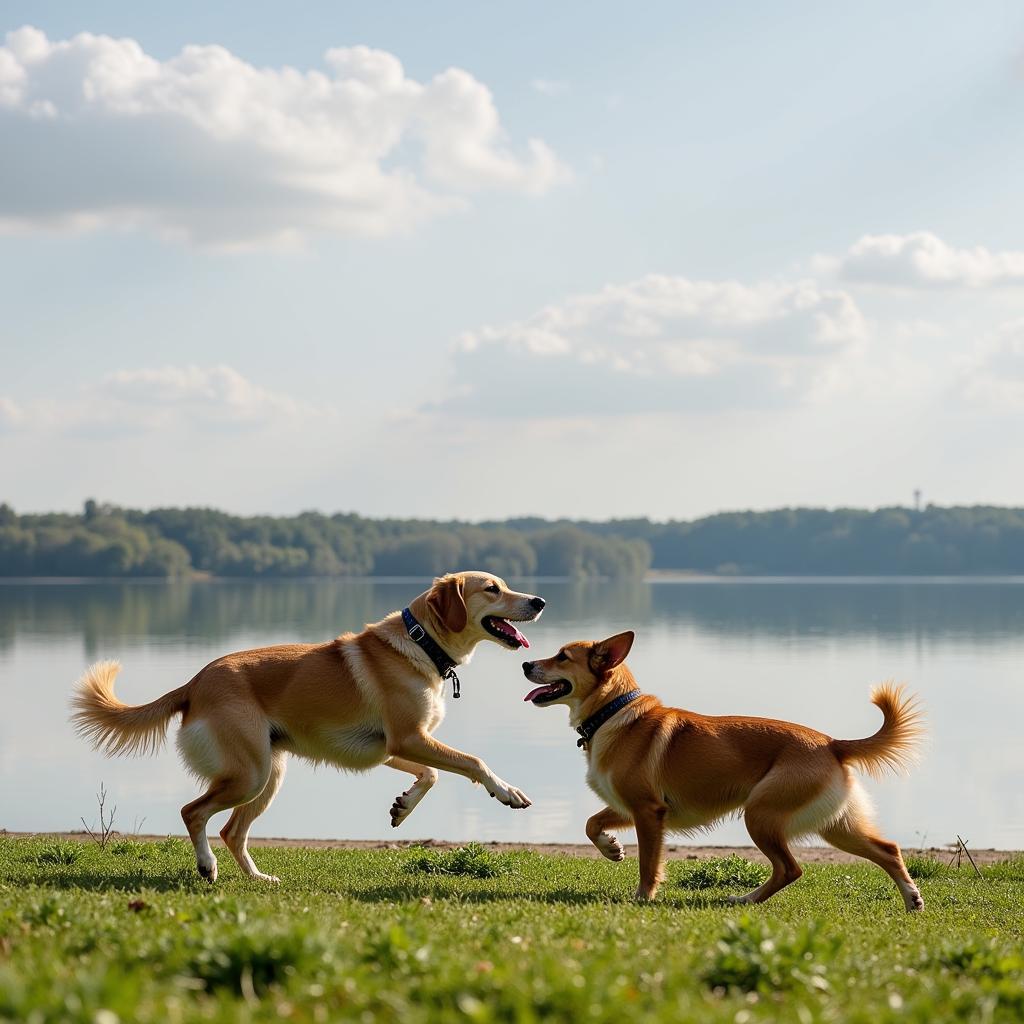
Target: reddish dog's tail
[117,728]
[895,745]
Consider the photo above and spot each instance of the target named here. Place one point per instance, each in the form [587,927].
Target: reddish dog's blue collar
[444,665]
[599,717]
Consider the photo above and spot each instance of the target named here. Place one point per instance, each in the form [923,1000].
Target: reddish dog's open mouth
[505,632]
[549,692]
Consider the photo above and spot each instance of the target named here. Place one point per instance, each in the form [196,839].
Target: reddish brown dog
[361,700]
[663,769]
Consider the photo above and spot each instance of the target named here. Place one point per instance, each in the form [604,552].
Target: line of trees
[108,541]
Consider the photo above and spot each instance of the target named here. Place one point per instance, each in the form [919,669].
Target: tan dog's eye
[492,588]
[561,656]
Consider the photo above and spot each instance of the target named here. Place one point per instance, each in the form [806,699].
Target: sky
[479,260]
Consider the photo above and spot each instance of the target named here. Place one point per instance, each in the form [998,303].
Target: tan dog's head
[464,608]
[582,674]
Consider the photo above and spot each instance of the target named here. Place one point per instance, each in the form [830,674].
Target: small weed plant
[721,872]
[924,867]
[471,860]
[60,852]
[752,958]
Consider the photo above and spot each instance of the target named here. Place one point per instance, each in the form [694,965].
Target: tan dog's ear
[607,654]
[448,602]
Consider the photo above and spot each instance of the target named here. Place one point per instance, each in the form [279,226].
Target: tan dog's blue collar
[444,664]
[599,717]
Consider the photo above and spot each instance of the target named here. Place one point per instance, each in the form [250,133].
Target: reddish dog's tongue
[533,693]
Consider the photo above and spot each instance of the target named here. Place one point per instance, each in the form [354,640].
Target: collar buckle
[442,662]
[596,720]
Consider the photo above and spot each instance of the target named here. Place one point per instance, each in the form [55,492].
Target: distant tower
[917,499]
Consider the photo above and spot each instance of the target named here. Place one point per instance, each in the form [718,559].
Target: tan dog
[661,769]
[355,702]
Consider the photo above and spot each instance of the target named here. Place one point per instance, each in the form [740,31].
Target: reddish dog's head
[582,674]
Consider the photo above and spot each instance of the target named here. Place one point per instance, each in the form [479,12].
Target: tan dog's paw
[400,810]
[508,795]
[610,846]
[207,868]
[406,803]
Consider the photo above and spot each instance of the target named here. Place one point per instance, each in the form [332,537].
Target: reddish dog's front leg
[608,844]
[649,819]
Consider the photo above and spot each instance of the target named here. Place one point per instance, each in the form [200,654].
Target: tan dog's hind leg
[608,844]
[236,832]
[425,779]
[854,837]
[238,761]
[224,793]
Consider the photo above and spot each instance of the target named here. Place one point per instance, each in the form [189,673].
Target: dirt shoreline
[673,851]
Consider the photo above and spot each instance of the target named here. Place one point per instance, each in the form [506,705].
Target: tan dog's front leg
[650,836]
[424,749]
[608,844]
[404,804]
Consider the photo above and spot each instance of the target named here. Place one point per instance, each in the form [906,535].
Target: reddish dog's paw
[610,847]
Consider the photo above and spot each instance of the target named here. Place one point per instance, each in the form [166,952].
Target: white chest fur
[601,784]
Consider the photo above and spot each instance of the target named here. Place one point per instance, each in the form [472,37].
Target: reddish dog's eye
[561,656]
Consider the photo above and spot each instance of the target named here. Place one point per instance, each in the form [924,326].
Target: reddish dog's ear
[448,602]
[607,654]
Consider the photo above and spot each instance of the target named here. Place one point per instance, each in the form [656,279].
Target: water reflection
[806,651]
[105,614]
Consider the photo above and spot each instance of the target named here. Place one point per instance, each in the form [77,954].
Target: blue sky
[657,261]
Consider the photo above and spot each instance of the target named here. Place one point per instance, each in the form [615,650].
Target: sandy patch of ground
[673,851]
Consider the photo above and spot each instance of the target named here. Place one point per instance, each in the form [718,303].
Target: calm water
[806,651]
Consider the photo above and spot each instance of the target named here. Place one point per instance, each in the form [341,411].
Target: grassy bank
[130,934]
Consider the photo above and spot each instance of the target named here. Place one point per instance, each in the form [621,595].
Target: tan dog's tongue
[508,629]
[533,693]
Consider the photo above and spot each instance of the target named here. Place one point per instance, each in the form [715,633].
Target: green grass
[119,935]
[733,872]
[472,860]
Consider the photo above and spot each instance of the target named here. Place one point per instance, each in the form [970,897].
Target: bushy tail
[895,745]
[117,728]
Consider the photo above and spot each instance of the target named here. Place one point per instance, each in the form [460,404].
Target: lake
[804,650]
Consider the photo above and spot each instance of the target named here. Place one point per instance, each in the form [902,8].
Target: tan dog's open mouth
[505,631]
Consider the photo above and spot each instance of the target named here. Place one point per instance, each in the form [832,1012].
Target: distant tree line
[105,540]
[109,541]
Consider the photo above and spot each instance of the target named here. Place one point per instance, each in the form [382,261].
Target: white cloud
[211,396]
[994,376]
[660,344]
[923,260]
[11,415]
[549,86]
[166,398]
[207,148]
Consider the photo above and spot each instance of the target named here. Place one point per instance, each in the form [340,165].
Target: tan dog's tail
[895,745]
[117,728]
